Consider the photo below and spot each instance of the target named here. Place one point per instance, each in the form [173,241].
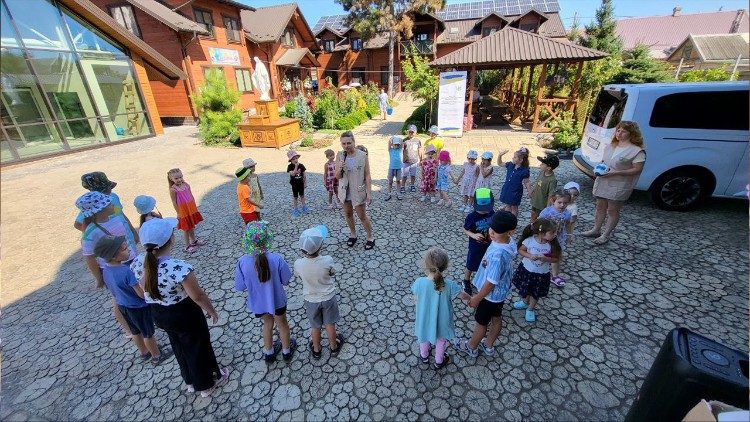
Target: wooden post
[472,79]
[539,96]
[679,68]
[528,91]
[573,97]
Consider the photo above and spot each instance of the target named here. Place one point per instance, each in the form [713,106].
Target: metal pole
[734,69]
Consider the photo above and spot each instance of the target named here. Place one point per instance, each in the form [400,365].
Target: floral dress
[331,182]
[469,181]
[429,175]
[482,181]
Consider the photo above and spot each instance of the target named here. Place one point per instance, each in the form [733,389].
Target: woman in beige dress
[625,157]
[355,187]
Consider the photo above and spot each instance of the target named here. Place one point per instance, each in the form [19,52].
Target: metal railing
[418,47]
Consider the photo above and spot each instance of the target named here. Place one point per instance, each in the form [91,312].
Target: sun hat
[444,156]
[242,173]
[502,221]
[486,155]
[311,240]
[144,204]
[257,238]
[92,202]
[472,155]
[291,154]
[430,148]
[106,247]
[396,140]
[97,181]
[248,162]
[434,129]
[412,128]
[550,160]
[572,185]
[157,231]
[484,201]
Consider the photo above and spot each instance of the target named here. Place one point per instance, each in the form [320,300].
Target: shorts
[139,320]
[322,313]
[298,189]
[394,173]
[409,170]
[488,310]
[279,312]
[249,216]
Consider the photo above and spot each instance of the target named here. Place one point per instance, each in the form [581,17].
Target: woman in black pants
[177,304]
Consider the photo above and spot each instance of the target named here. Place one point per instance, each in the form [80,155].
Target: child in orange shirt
[244,196]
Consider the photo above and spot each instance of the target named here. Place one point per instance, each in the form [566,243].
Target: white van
[696,137]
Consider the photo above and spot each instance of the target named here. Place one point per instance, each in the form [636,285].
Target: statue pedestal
[267,129]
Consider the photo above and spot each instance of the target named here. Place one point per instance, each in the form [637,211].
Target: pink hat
[291,154]
[444,156]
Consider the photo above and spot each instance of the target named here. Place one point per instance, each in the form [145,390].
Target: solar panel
[480,9]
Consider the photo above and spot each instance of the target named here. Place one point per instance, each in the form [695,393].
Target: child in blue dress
[444,176]
[516,177]
[434,324]
[558,212]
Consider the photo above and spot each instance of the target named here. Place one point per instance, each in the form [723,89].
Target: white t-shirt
[573,208]
[317,283]
[535,248]
[383,98]
[170,275]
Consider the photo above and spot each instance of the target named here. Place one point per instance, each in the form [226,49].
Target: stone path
[584,359]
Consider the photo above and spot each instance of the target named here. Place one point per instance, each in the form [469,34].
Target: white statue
[261,80]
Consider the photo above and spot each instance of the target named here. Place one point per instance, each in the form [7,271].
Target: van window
[718,110]
[608,108]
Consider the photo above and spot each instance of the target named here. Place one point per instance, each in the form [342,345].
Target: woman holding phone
[355,187]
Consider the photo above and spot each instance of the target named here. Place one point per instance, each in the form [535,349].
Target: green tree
[421,79]
[639,67]
[394,17]
[216,103]
[705,75]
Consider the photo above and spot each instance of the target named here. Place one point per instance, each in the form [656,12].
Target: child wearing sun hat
[256,191]
[146,207]
[298,180]
[247,204]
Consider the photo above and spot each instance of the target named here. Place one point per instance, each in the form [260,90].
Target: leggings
[424,349]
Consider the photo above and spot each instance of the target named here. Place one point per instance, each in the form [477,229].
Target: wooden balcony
[418,47]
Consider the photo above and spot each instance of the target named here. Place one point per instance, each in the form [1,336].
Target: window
[204,19]
[232,26]
[328,45]
[489,30]
[125,16]
[723,110]
[421,37]
[608,108]
[356,44]
[358,75]
[244,83]
[528,27]
[333,75]
[288,37]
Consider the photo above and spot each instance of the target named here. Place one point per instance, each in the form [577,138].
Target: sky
[583,9]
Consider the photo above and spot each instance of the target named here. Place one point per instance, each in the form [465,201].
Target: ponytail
[262,267]
[435,262]
[439,280]
[528,231]
[150,273]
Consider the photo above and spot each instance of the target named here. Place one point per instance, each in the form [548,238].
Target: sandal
[315,355]
[199,242]
[351,241]
[557,281]
[219,382]
[591,233]
[441,365]
[165,354]
[369,244]
[190,249]
[339,343]
[601,240]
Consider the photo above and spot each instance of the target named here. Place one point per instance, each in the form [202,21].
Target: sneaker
[272,357]
[440,202]
[296,212]
[520,305]
[446,360]
[219,382]
[423,198]
[433,200]
[292,347]
[463,347]
[403,189]
[488,351]
[413,189]
[399,197]
[558,281]
[305,210]
[530,315]
[388,197]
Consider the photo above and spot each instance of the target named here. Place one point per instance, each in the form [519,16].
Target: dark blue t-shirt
[120,281]
[479,223]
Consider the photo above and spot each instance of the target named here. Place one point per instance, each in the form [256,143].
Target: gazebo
[521,52]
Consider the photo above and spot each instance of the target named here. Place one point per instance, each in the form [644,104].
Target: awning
[293,57]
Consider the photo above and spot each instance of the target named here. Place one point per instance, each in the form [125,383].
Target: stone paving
[64,358]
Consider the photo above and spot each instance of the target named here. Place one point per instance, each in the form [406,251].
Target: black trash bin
[688,368]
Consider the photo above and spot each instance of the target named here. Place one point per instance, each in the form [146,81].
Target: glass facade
[63,84]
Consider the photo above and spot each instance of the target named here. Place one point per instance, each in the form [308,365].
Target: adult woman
[176,300]
[625,157]
[355,187]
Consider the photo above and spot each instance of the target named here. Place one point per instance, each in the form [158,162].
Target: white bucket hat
[157,231]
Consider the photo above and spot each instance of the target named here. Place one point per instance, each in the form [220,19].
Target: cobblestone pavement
[585,357]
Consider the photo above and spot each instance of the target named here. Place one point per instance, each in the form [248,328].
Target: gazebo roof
[511,46]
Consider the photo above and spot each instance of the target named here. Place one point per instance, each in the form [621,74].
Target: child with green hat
[248,205]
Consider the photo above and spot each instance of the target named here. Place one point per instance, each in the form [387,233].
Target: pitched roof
[718,47]
[235,4]
[293,56]
[467,30]
[514,46]
[168,17]
[663,33]
[266,24]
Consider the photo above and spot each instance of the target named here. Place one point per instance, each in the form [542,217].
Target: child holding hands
[538,246]
[330,180]
[516,178]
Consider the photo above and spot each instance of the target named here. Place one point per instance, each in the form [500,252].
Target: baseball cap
[157,231]
[92,202]
[144,204]
[550,160]
[311,240]
[472,155]
[430,148]
[502,221]
[484,201]
[242,173]
[396,140]
[106,247]
[248,162]
[486,155]
[97,181]
[572,185]
[434,129]
[412,128]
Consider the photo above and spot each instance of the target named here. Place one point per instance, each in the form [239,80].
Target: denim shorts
[139,320]
[394,173]
[322,313]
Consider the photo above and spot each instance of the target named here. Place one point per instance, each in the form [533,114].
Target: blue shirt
[512,190]
[395,158]
[496,268]
[561,220]
[479,223]
[120,280]
[268,296]
[434,317]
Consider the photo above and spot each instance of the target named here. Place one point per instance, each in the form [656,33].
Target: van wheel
[680,190]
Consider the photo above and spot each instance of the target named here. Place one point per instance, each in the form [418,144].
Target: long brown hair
[435,262]
[541,226]
[636,137]
[262,267]
[151,270]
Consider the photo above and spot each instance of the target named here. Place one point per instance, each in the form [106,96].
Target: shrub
[215,102]
[705,75]
[420,118]
[302,112]
[327,109]
[566,132]
[307,141]
[220,127]
[289,109]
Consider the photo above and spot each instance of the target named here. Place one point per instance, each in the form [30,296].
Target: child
[468,180]
[247,204]
[97,181]
[298,180]
[559,214]
[484,171]
[412,149]
[187,212]
[318,290]
[429,174]
[574,189]
[516,177]
[263,274]
[545,184]
[330,180]
[493,282]
[476,227]
[394,166]
[256,192]
[444,176]
[433,139]
[146,207]
[538,246]
[433,324]
[128,295]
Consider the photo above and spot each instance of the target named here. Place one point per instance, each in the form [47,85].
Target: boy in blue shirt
[394,166]
[493,283]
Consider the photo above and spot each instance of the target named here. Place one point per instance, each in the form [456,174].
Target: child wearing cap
[318,290]
[97,181]
[429,174]
[493,283]
[245,199]
[412,156]
[263,275]
[484,171]
[330,180]
[298,180]
[128,296]
[444,177]
[468,180]
[545,184]
[476,227]
[433,139]
[256,192]
[146,207]
[394,166]
[516,177]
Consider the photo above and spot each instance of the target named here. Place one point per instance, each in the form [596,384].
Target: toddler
[256,192]
[330,180]
[433,139]
[412,156]
[538,246]
[476,227]
[443,178]
[429,174]
[394,166]
[484,171]
[545,184]
[247,204]
[559,214]
[516,177]
[298,180]
[146,207]
[468,180]
[188,215]
[574,189]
